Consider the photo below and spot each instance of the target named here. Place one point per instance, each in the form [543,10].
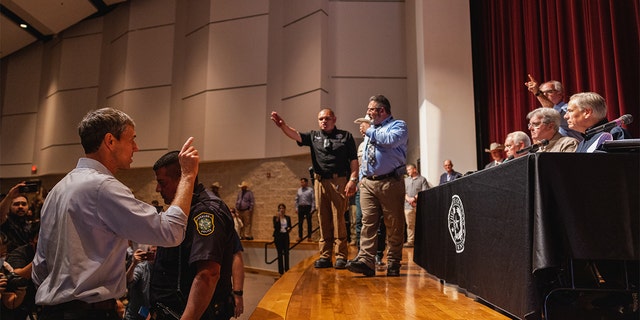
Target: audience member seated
[515,141]
[588,110]
[543,125]
[497,154]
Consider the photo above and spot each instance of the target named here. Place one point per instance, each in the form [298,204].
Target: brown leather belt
[382,176]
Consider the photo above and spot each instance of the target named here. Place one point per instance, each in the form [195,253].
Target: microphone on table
[625,119]
[534,147]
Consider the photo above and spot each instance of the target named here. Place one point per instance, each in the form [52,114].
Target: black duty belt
[329,175]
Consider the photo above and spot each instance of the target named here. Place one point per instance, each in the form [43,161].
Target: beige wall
[214,69]
[273,181]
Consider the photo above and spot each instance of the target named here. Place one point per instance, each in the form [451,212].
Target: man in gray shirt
[413,184]
[305,204]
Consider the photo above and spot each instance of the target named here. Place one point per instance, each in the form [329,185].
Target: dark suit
[454,175]
[492,164]
[281,240]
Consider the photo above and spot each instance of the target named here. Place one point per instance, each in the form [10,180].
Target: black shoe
[323,263]
[393,270]
[341,263]
[361,267]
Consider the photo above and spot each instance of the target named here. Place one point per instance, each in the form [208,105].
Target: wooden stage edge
[305,292]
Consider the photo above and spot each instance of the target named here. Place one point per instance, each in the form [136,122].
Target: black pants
[78,310]
[282,245]
[218,310]
[304,212]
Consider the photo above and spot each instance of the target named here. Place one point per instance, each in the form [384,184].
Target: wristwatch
[539,93]
[354,179]
[238,293]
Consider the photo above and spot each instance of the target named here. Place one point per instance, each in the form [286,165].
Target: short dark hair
[96,124]
[171,162]
[282,205]
[304,179]
[383,101]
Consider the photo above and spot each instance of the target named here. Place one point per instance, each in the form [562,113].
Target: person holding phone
[17,227]
[7,201]
[138,279]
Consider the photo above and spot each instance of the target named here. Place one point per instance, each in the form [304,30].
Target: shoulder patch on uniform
[204,223]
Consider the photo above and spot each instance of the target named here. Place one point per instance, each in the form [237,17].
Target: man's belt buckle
[380,177]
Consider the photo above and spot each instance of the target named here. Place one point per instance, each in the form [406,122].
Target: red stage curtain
[588,45]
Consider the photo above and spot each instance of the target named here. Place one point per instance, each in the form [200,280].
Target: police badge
[204,223]
[457,228]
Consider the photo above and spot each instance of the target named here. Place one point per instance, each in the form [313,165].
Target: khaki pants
[331,204]
[386,198]
[245,216]
[410,219]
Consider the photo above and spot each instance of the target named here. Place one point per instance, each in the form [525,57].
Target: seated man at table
[544,124]
[515,141]
[588,110]
[497,154]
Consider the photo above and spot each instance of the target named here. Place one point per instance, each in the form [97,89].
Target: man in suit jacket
[497,154]
[450,174]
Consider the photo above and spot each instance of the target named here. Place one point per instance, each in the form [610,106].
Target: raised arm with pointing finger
[288,131]
[89,216]
[532,86]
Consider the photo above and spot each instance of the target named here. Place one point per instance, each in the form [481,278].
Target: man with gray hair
[588,110]
[550,94]
[515,141]
[543,125]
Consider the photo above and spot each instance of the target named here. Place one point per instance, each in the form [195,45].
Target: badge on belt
[204,223]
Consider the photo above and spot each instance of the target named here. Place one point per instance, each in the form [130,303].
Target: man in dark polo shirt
[335,163]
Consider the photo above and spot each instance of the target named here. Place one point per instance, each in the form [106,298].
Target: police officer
[194,278]
[335,163]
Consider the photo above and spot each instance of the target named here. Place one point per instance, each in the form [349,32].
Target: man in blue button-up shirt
[381,186]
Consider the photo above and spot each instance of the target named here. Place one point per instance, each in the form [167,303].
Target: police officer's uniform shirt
[330,153]
[210,236]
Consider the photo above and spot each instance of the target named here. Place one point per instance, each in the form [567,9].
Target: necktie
[371,154]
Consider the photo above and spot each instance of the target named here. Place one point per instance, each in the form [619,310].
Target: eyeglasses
[549,91]
[508,146]
[373,109]
[534,125]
